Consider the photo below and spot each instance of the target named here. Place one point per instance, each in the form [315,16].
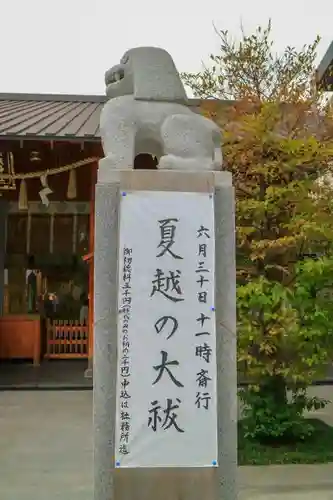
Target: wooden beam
[51,239]
[74,239]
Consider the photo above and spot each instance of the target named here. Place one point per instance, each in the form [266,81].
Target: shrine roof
[53,117]
[324,72]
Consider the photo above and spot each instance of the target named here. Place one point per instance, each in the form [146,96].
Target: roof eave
[10,96]
[49,138]
[85,134]
[324,73]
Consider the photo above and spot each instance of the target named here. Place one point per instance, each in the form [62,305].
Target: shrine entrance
[49,152]
[46,214]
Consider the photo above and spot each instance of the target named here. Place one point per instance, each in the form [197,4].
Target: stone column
[146,112]
[3,226]
[105,337]
[142,484]
[225,279]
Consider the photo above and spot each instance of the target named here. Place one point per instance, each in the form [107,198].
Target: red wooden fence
[66,339]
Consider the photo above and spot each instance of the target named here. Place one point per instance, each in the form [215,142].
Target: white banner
[166,384]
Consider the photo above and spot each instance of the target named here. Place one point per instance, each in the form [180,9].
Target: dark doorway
[145,161]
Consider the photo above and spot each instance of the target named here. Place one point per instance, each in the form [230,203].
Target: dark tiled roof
[42,116]
[24,116]
[325,70]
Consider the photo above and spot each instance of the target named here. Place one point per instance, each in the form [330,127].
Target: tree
[278,144]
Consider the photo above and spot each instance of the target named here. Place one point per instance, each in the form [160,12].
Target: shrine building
[49,151]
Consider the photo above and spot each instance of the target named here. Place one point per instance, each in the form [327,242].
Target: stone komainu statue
[146,113]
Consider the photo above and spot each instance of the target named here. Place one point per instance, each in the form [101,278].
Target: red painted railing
[66,339]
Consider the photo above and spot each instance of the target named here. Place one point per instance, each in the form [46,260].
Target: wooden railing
[66,339]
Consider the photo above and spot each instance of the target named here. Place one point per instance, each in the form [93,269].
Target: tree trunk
[275,387]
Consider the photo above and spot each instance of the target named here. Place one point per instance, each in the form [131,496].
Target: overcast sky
[65,46]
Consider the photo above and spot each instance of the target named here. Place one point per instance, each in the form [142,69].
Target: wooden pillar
[91,269]
[3,226]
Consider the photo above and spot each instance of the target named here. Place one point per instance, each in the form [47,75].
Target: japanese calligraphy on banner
[166,379]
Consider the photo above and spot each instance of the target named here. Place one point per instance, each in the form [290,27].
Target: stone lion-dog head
[147,73]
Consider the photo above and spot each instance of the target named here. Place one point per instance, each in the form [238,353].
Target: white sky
[65,46]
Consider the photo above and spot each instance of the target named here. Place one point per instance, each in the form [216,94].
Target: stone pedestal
[217,483]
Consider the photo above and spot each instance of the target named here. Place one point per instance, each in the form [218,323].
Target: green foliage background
[278,143]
